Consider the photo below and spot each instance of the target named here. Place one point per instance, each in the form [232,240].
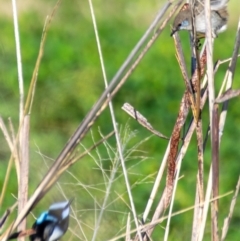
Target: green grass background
[70,82]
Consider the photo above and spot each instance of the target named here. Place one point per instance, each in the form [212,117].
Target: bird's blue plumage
[46,217]
[52,224]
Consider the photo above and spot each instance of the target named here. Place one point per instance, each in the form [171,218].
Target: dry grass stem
[129,109]
[147,226]
[24,168]
[119,162]
[19,60]
[32,87]
[128,228]
[229,217]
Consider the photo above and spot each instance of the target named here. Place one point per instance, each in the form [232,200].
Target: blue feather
[52,224]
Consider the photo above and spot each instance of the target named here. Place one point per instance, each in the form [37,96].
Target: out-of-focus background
[69,83]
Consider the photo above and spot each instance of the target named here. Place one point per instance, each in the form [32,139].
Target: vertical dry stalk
[211,93]
[215,169]
[229,78]
[24,169]
[229,217]
[175,138]
[23,134]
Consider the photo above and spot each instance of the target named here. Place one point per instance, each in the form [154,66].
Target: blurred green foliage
[70,82]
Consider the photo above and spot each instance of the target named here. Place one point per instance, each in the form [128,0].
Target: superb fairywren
[52,224]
